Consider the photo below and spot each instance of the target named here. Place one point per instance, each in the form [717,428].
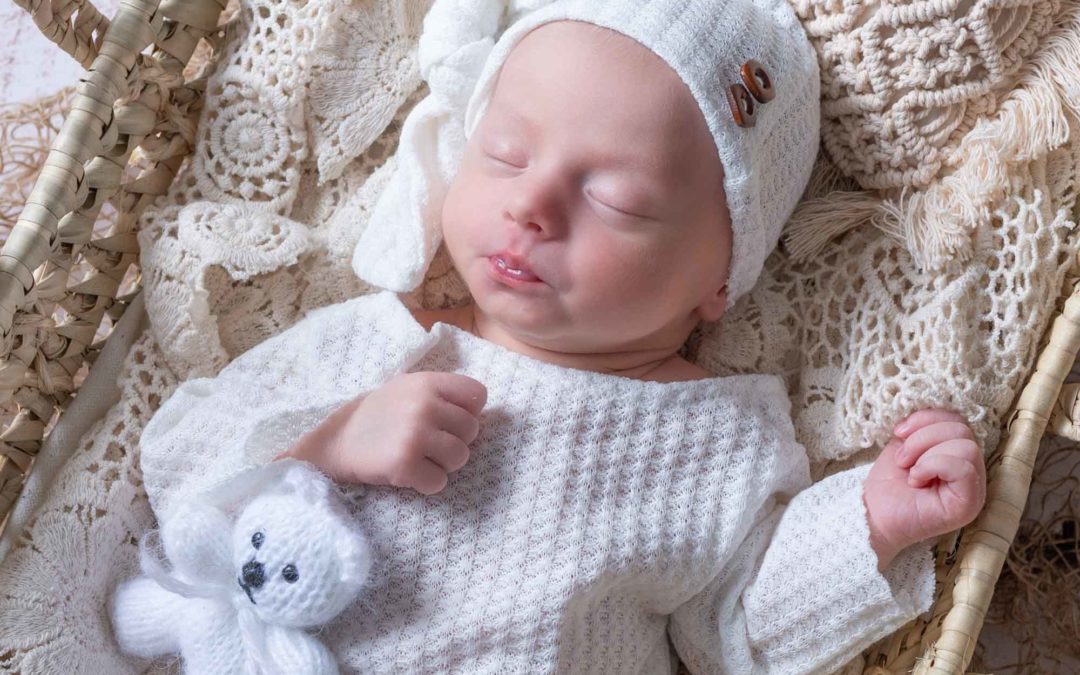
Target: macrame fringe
[937,222]
[818,221]
[831,204]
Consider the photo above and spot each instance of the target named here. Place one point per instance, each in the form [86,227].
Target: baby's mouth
[513,267]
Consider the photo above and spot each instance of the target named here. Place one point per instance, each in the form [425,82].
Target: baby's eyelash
[616,209]
[502,161]
[619,211]
[609,207]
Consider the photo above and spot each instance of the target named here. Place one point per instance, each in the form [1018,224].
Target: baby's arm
[214,427]
[411,432]
[805,591]
[264,400]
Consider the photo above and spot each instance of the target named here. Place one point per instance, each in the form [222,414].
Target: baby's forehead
[603,88]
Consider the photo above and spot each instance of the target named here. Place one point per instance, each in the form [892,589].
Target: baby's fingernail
[901,428]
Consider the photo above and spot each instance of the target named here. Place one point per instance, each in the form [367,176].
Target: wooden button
[742,105]
[757,81]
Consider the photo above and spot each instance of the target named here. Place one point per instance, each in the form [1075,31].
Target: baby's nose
[538,204]
[252,574]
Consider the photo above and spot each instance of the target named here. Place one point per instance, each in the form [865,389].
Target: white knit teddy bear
[240,595]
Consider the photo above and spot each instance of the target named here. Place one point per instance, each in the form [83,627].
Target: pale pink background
[30,65]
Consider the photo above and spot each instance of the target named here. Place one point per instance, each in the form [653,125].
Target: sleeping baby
[547,484]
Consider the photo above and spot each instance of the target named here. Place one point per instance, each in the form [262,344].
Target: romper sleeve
[212,428]
[802,592]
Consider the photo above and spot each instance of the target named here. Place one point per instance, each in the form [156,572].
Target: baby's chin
[544,325]
[534,317]
[539,316]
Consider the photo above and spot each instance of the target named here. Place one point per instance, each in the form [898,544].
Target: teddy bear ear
[306,481]
[355,554]
[232,492]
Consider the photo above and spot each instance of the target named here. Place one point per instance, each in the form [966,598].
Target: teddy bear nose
[252,573]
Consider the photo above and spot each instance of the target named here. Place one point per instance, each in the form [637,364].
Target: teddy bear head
[296,554]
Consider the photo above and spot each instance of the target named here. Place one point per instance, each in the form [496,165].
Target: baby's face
[588,212]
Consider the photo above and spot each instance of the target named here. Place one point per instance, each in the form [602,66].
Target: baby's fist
[430,419]
[411,432]
[928,480]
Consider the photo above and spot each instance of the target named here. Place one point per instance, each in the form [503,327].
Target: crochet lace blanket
[296,140]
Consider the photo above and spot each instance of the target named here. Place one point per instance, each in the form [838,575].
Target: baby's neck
[659,364]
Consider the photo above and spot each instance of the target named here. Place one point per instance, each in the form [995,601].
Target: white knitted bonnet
[707,42]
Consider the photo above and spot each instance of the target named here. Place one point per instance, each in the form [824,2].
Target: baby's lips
[517,262]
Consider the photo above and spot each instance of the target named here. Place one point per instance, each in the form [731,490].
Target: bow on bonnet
[767,151]
[404,230]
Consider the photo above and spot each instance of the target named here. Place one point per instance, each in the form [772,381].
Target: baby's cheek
[600,268]
[619,280]
[462,222]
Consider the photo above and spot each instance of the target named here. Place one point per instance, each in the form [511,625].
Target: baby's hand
[411,432]
[929,479]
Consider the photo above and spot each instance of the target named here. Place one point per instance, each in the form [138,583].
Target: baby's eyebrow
[514,116]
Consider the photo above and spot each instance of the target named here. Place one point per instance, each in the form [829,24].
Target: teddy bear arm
[212,643]
[298,652]
[143,618]
[197,541]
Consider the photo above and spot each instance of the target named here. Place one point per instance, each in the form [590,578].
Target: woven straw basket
[129,99]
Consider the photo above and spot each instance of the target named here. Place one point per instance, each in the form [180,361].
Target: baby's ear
[714,305]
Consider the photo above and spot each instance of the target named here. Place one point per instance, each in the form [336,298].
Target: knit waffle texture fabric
[600,521]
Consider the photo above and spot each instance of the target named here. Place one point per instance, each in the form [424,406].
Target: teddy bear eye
[257,539]
[290,573]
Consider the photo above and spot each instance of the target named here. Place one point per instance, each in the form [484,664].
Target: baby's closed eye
[629,212]
[508,158]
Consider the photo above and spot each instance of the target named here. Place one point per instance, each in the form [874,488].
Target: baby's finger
[427,477]
[456,420]
[921,418]
[950,462]
[963,492]
[924,438]
[447,450]
[964,448]
[893,446]
[461,390]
